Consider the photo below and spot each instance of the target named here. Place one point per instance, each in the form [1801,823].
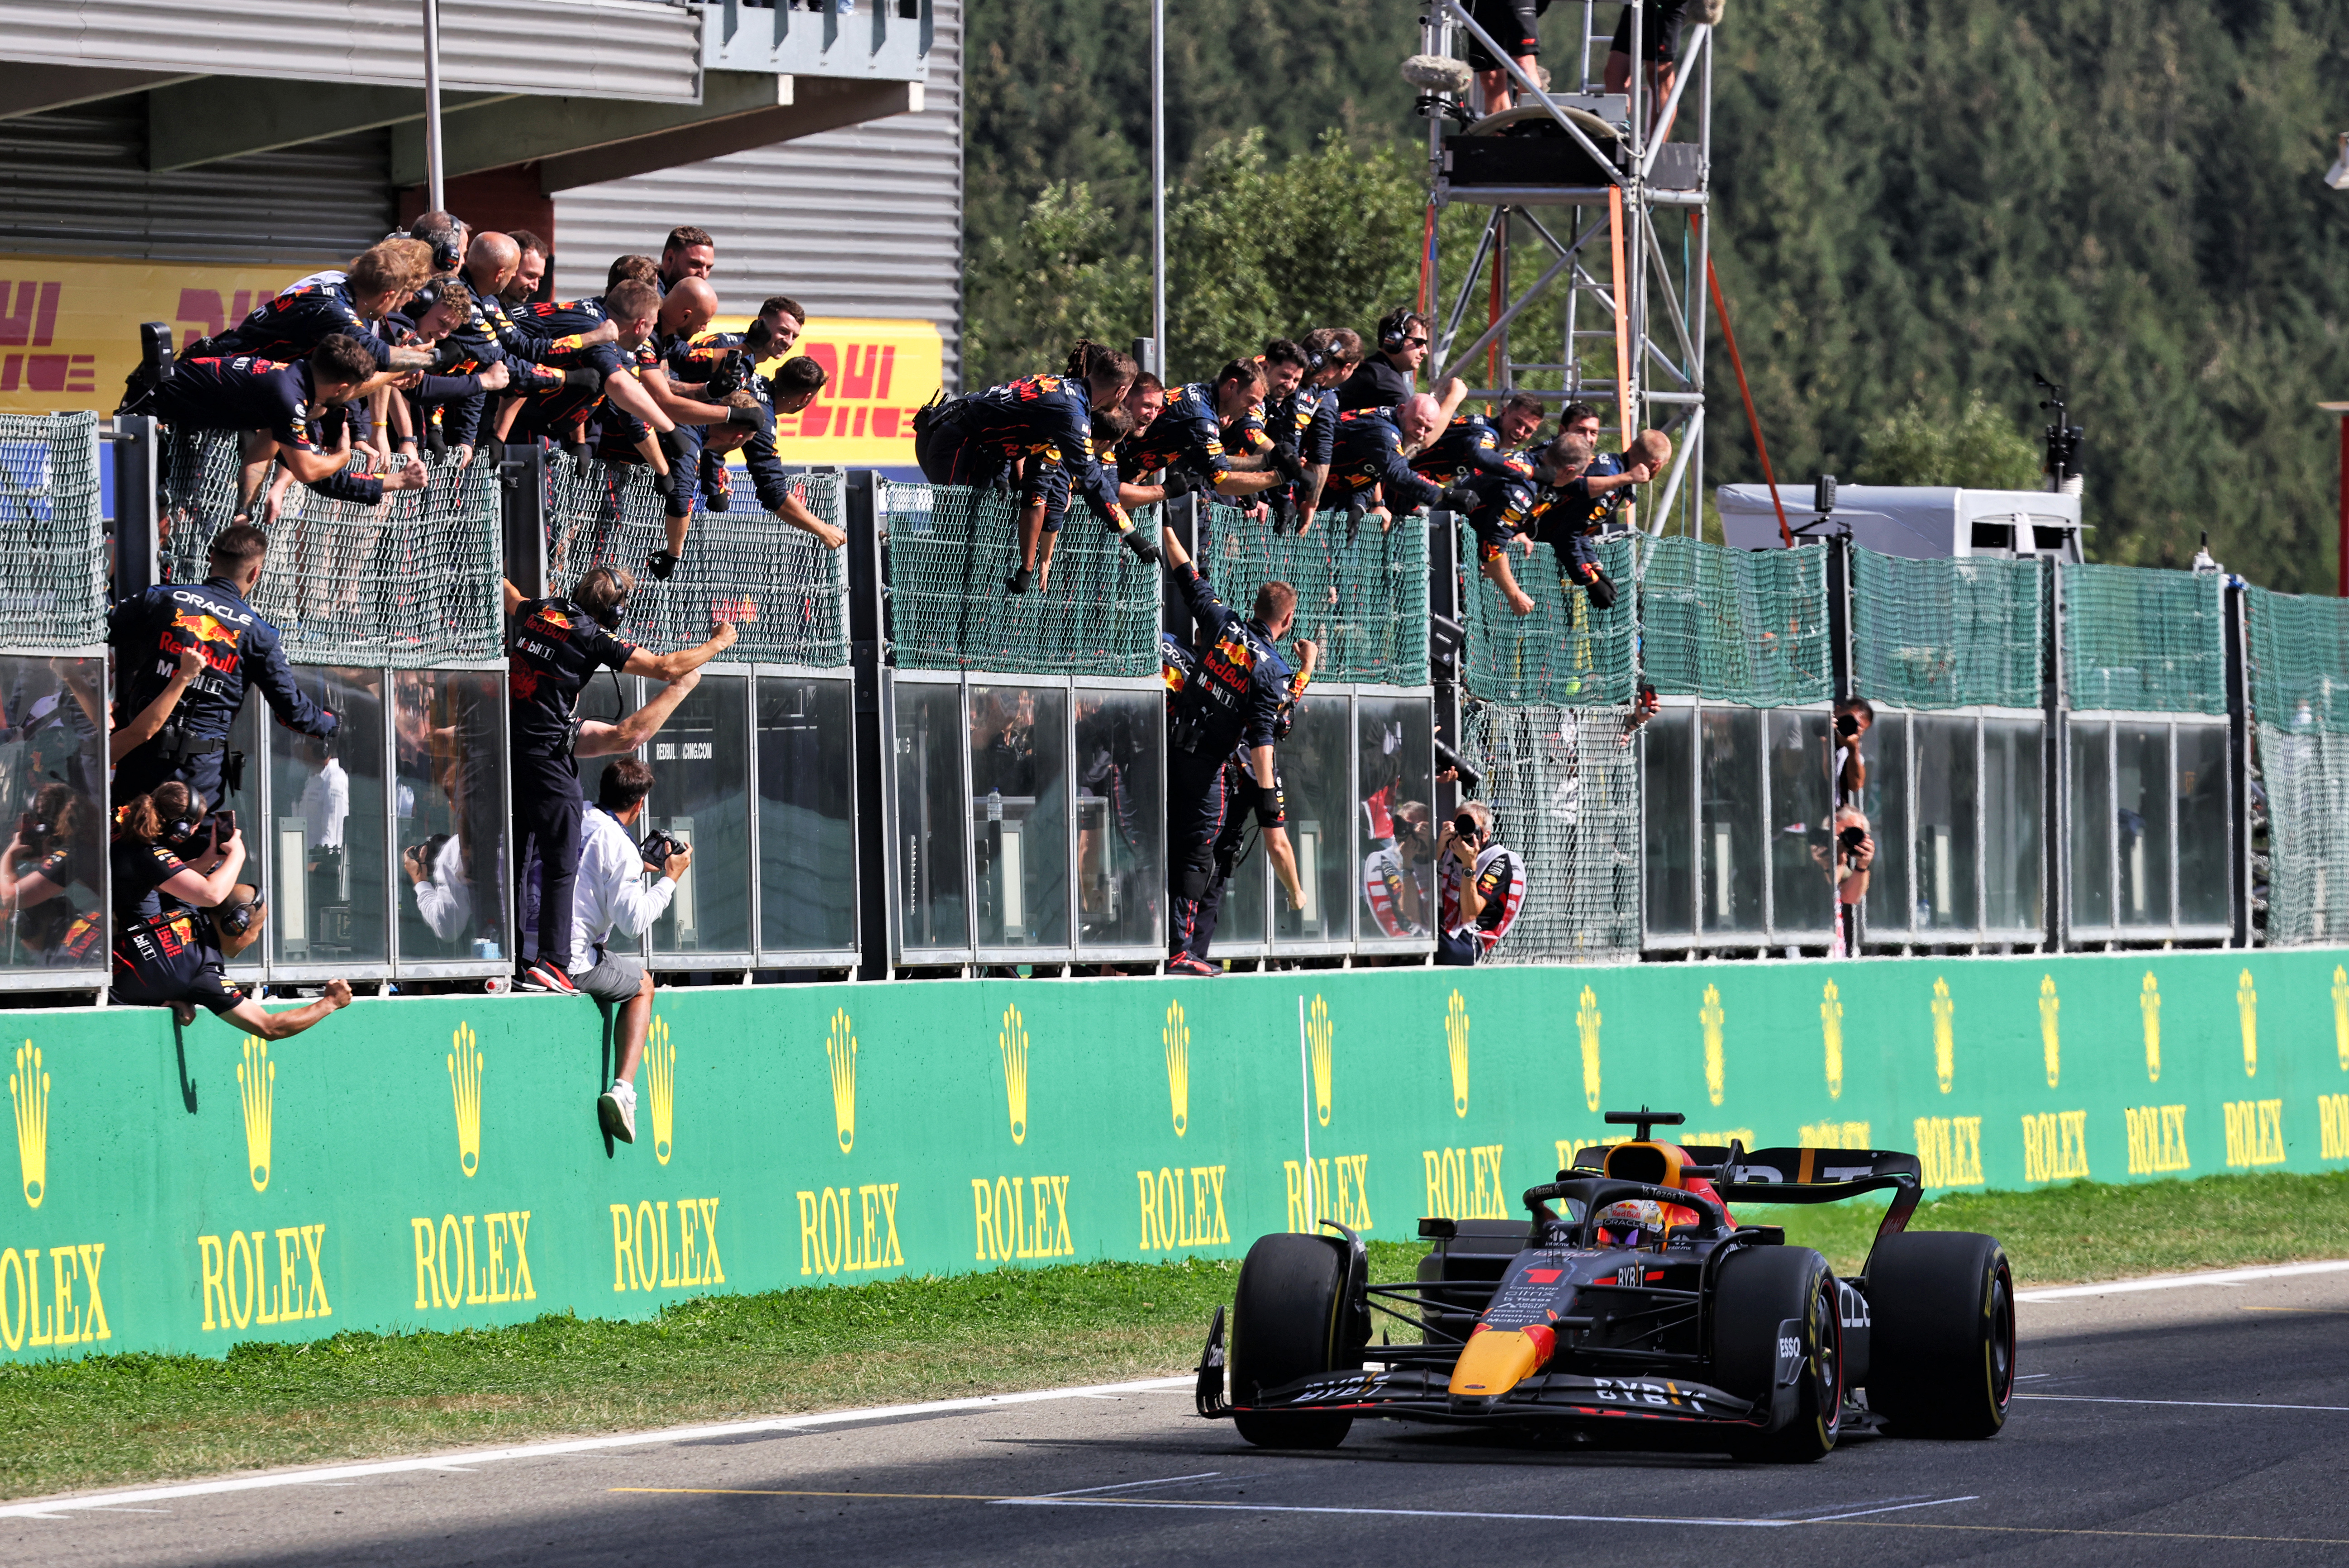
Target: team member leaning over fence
[1370,475]
[1570,515]
[723,364]
[1509,509]
[180,914]
[1187,441]
[1229,692]
[1471,444]
[1480,888]
[1305,418]
[151,634]
[552,647]
[1389,375]
[570,334]
[296,415]
[437,412]
[697,411]
[979,439]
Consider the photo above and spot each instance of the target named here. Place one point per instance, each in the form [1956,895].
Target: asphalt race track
[2206,1425]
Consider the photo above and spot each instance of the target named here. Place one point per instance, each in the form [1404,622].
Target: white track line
[2180,1281]
[1697,1522]
[57,1507]
[2189,1404]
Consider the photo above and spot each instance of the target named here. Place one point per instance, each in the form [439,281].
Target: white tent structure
[1927,522]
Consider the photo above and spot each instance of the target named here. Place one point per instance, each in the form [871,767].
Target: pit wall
[436,1163]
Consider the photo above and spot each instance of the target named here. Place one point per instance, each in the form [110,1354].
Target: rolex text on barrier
[813,1134]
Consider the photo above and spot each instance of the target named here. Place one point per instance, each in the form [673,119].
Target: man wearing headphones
[553,646]
[1306,419]
[1388,376]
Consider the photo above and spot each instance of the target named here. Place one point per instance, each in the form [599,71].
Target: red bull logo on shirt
[204,634]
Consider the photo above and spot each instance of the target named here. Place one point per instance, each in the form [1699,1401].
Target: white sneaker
[617,1110]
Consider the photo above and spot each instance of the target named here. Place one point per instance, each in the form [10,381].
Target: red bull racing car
[1631,1300]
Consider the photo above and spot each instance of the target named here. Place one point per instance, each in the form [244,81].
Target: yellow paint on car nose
[1496,1360]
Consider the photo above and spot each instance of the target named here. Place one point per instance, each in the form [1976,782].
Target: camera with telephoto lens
[1846,725]
[1464,826]
[428,851]
[1850,840]
[659,848]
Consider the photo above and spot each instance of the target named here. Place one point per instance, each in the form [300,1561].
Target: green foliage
[1914,198]
[1254,250]
[1924,444]
[1066,275]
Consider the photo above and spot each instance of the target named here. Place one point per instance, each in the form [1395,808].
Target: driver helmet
[1622,1223]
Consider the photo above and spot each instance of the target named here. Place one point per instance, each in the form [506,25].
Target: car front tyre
[1288,1320]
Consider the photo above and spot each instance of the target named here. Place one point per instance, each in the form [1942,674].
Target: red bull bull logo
[204,634]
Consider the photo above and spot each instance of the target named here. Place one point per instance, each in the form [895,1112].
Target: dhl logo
[856,400]
[207,636]
[28,319]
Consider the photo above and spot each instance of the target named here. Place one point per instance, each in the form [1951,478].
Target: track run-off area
[2203,1419]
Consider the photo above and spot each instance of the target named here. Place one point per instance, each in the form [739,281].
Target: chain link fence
[1736,626]
[2144,639]
[1567,652]
[1947,633]
[408,583]
[1362,593]
[784,590]
[1563,784]
[949,551]
[2300,704]
[52,532]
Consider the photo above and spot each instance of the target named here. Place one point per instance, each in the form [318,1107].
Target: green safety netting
[1946,633]
[1563,784]
[1362,593]
[2144,639]
[2300,662]
[1736,626]
[409,582]
[784,590]
[1568,652]
[53,573]
[948,551]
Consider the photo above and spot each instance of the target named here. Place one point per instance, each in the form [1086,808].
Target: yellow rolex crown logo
[660,1086]
[1945,1036]
[2050,1040]
[1012,1041]
[1587,1020]
[1176,1038]
[1831,1031]
[1317,1031]
[840,1047]
[257,1081]
[2247,1002]
[2341,1014]
[1715,1070]
[2149,1001]
[465,1087]
[28,1091]
[1455,1042]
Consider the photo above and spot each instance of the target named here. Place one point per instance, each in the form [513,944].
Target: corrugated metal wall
[75,182]
[862,222]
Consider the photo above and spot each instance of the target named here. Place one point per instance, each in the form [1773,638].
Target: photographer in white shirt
[612,894]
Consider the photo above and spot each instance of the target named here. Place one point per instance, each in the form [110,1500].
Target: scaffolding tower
[1598,183]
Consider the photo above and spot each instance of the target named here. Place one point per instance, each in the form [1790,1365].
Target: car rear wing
[1798,1176]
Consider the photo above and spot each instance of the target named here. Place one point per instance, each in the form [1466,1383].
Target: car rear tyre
[1759,1289]
[1942,1357]
[1290,1321]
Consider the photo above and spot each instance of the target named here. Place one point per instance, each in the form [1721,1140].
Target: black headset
[1394,328]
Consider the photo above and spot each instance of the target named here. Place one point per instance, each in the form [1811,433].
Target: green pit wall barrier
[434,1163]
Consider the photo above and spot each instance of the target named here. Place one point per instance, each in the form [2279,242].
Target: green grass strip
[110,1420]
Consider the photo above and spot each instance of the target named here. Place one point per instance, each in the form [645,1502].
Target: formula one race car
[1637,1305]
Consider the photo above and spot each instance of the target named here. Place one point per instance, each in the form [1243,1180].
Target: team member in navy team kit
[1576,509]
[1187,439]
[1304,419]
[1239,769]
[1508,510]
[150,633]
[1369,472]
[377,282]
[553,646]
[1230,694]
[1472,444]
[979,439]
[687,252]
[1385,379]
[296,414]
[720,364]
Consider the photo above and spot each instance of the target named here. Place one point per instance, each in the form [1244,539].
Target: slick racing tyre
[1759,1291]
[1290,1320]
[1941,1359]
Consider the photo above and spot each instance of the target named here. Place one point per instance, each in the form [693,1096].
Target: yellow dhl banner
[69,334]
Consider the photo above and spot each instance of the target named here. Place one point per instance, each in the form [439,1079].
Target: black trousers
[547,812]
[148,767]
[1196,809]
